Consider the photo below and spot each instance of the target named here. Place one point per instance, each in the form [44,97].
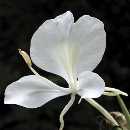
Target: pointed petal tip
[67,15]
[125,94]
[69,12]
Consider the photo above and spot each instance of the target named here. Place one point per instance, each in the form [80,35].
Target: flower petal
[89,36]
[48,42]
[32,92]
[91,85]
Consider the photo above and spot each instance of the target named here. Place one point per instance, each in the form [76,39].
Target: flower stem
[66,108]
[104,112]
[117,128]
[124,110]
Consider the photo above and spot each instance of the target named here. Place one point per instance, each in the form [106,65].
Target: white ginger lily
[71,50]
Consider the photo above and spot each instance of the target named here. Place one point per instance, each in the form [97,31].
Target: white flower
[71,50]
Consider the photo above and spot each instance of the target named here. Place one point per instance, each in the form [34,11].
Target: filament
[64,111]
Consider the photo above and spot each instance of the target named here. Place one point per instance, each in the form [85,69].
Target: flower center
[74,86]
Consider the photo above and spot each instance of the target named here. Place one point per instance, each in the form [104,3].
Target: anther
[26,57]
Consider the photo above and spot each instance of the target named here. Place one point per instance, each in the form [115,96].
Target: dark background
[19,19]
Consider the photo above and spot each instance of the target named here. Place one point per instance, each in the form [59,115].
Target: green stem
[104,112]
[124,110]
[117,128]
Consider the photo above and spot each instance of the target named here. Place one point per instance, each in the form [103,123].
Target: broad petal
[89,36]
[91,85]
[47,44]
[32,92]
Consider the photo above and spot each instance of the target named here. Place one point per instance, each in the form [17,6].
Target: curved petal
[32,92]
[89,36]
[91,85]
[47,44]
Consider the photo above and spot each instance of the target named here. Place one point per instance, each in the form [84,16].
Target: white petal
[47,44]
[89,36]
[91,85]
[32,92]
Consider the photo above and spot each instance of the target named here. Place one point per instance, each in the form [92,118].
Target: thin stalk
[104,112]
[64,111]
[124,110]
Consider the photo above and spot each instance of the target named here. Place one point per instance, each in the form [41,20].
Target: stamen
[34,71]
[28,61]
[26,57]
[116,91]
[109,94]
[79,100]
[64,111]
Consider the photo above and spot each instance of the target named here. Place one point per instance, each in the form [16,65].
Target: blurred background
[20,19]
